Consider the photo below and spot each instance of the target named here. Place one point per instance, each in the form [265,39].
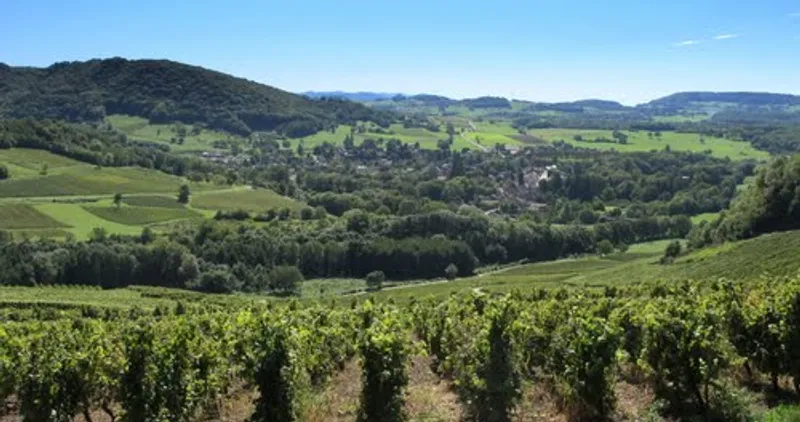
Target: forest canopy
[165,91]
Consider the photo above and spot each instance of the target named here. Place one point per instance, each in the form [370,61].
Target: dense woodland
[165,91]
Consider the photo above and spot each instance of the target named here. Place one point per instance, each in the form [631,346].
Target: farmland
[487,134]
[21,216]
[141,129]
[244,199]
[52,196]
[135,216]
[641,141]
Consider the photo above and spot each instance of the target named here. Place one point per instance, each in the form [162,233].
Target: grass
[425,138]
[326,287]
[677,118]
[255,200]
[141,129]
[153,201]
[639,141]
[87,180]
[22,216]
[82,222]
[137,216]
[773,255]
[707,217]
[79,295]
[490,134]
[783,413]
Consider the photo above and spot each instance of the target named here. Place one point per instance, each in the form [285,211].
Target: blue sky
[630,51]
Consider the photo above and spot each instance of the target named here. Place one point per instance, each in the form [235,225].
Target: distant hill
[352,96]
[716,101]
[165,91]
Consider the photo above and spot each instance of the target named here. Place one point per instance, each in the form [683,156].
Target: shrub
[375,280]
[284,279]
[451,272]
[384,353]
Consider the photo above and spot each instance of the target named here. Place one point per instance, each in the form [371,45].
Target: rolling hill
[166,91]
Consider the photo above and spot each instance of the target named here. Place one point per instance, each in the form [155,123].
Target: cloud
[686,43]
[794,15]
[726,36]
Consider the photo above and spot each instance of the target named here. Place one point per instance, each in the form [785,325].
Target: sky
[628,51]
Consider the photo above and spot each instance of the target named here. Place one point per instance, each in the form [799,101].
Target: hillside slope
[165,91]
[711,102]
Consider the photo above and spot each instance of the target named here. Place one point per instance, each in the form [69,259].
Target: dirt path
[430,398]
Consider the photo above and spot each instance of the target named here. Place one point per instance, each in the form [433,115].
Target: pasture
[137,216]
[160,201]
[640,141]
[254,200]
[22,216]
[141,129]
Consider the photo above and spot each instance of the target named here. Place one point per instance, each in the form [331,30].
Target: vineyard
[699,350]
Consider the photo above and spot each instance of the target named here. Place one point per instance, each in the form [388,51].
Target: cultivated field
[640,141]
[49,196]
[244,199]
[141,129]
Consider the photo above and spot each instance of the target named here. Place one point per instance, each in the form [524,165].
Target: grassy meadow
[640,141]
[254,200]
[49,196]
[141,129]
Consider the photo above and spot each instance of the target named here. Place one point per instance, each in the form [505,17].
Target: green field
[141,129]
[640,141]
[707,217]
[82,222]
[159,201]
[425,138]
[254,200]
[65,177]
[21,216]
[769,255]
[136,216]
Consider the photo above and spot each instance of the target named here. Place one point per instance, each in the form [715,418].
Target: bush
[284,279]
[605,247]
[237,215]
[685,351]
[451,272]
[585,366]
[384,354]
[375,280]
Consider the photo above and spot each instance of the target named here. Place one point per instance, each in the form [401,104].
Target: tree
[672,251]
[451,272]
[375,280]
[3,172]
[284,279]
[117,200]
[605,247]
[183,194]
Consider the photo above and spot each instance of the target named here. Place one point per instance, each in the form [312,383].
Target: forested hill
[166,91]
[688,100]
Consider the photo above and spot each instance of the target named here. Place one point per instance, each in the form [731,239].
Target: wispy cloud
[726,36]
[686,43]
[794,15]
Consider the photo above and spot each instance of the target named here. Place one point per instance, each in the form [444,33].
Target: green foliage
[605,247]
[584,363]
[770,203]
[384,357]
[451,272]
[183,194]
[166,91]
[686,352]
[285,279]
[375,280]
